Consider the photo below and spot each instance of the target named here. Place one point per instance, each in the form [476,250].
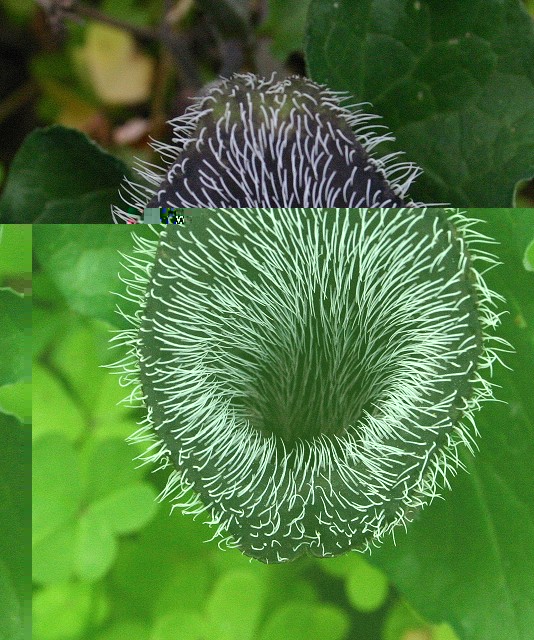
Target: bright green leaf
[55,484]
[108,467]
[181,625]
[57,164]
[366,586]
[83,262]
[77,357]
[453,80]
[188,586]
[16,249]
[235,605]
[300,621]
[62,612]
[16,399]
[443,632]
[54,410]
[53,555]
[95,547]
[528,260]
[132,630]
[127,509]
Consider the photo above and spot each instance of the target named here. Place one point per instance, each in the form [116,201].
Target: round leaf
[56,484]
[306,622]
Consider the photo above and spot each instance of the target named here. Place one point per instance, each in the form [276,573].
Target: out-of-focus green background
[15,418]
[111,563]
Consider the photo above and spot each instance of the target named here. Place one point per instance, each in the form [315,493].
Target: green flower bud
[310,375]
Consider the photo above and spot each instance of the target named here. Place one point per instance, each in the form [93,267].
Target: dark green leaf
[453,80]
[59,175]
[286,24]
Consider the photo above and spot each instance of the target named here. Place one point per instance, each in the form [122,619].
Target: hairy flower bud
[310,375]
[251,142]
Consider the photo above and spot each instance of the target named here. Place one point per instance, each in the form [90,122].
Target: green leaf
[454,81]
[133,630]
[469,559]
[53,555]
[16,399]
[188,586]
[54,410]
[15,337]
[366,586]
[95,547]
[286,24]
[108,467]
[62,612]
[15,250]
[306,622]
[56,485]
[15,544]
[83,374]
[89,208]
[83,262]
[180,625]
[127,509]
[59,173]
[233,610]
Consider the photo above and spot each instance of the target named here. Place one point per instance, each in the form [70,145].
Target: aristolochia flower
[310,375]
[252,142]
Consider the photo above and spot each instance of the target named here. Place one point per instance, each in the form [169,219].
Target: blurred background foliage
[110,562]
[15,418]
[119,69]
